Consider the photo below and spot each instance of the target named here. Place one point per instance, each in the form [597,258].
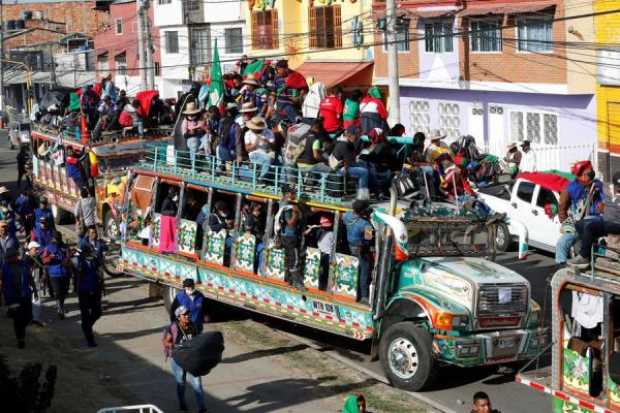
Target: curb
[434,404]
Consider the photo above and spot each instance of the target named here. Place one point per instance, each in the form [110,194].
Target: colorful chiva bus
[435,299]
[584,375]
[106,161]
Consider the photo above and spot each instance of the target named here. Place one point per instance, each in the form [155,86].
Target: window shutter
[337,26]
[275,38]
[254,30]
[313,26]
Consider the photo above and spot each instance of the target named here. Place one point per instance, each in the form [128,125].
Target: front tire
[503,238]
[407,356]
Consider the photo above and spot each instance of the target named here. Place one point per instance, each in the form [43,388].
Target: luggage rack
[250,178]
[451,236]
[107,137]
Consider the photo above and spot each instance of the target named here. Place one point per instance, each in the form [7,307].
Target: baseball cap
[33,244]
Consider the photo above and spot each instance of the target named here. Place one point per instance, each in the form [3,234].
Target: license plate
[505,342]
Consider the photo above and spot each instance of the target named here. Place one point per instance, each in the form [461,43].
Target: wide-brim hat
[3,189]
[191,109]
[231,106]
[511,146]
[250,80]
[248,107]
[256,123]
[436,135]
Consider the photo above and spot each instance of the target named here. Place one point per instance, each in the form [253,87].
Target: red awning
[338,73]
[506,8]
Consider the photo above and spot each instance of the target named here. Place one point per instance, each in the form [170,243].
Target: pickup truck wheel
[502,238]
[407,356]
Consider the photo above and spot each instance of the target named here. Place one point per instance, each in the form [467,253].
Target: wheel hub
[403,358]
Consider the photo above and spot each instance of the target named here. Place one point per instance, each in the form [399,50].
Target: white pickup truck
[523,201]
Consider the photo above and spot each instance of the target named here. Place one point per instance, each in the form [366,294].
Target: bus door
[138,215]
[189,237]
[583,339]
[164,231]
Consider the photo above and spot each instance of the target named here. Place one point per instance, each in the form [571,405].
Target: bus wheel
[111,261]
[502,238]
[407,356]
[169,294]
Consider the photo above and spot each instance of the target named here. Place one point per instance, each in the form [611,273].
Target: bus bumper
[493,347]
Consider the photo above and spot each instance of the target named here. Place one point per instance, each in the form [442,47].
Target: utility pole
[190,68]
[392,60]
[53,65]
[150,69]
[141,39]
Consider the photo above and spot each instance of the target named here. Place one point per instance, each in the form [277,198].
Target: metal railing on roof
[251,177]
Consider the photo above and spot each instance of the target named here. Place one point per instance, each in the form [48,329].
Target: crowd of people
[36,262]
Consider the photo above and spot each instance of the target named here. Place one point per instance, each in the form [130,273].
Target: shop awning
[506,8]
[338,73]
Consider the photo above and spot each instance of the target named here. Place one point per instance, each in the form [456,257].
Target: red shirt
[330,110]
[125,119]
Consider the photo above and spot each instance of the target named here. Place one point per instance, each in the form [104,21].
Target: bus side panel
[614,394]
[244,292]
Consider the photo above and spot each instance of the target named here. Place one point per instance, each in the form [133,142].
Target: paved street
[263,359]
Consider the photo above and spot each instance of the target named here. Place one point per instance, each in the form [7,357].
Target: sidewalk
[262,371]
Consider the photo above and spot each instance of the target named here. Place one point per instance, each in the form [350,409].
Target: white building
[208,20]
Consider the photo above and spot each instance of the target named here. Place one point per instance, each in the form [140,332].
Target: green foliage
[24,393]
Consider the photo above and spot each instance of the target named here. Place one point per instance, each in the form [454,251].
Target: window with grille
[157,66]
[438,37]
[201,39]
[486,35]
[265,29]
[402,36]
[449,120]
[233,39]
[172,42]
[535,34]
[325,27]
[420,116]
[119,26]
[103,64]
[537,127]
[120,61]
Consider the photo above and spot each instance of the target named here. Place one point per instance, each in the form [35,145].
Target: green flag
[254,68]
[74,101]
[216,89]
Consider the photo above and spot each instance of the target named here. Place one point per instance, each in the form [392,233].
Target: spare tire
[200,354]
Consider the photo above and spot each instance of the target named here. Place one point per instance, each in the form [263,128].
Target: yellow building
[607,28]
[323,39]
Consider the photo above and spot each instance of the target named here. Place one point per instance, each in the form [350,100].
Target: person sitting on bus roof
[229,133]
[290,222]
[330,111]
[372,111]
[359,236]
[351,110]
[381,161]
[345,156]
[43,233]
[258,141]
[192,127]
[585,196]
[43,211]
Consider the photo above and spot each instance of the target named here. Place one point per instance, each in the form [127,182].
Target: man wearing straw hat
[512,159]
[437,147]
[192,127]
[258,140]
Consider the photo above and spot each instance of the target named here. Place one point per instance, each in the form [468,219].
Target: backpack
[295,145]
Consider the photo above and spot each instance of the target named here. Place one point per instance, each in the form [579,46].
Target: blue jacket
[55,266]
[88,276]
[15,289]
[47,213]
[193,304]
[356,229]
[43,236]
[24,205]
[578,196]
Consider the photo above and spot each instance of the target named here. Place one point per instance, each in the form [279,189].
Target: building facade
[495,70]
[116,47]
[607,27]
[325,40]
[188,30]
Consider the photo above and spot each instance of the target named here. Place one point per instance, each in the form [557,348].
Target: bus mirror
[614,367]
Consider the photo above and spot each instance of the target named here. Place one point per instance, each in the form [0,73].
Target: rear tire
[503,238]
[407,356]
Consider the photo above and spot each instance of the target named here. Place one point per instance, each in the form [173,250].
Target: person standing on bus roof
[43,210]
[290,221]
[193,300]
[359,237]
